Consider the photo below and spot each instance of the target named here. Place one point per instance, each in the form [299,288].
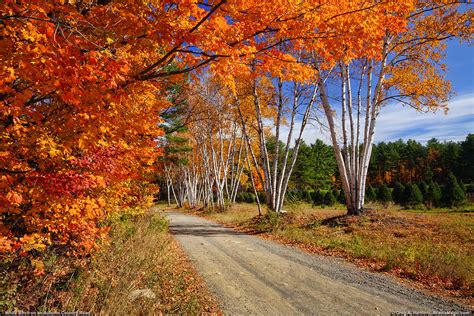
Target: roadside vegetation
[141,270]
[432,247]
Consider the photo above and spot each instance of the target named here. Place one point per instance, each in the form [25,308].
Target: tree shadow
[335,221]
[199,230]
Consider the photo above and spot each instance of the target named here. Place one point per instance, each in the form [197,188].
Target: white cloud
[397,121]
[312,132]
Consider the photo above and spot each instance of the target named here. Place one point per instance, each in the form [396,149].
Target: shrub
[299,194]
[370,194]
[307,197]
[398,193]
[470,188]
[158,223]
[434,195]
[329,199]
[295,195]
[318,197]
[271,221]
[463,186]
[239,197]
[342,197]
[413,196]
[261,197]
[249,198]
[291,197]
[384,194]
[245,197]
[453,194]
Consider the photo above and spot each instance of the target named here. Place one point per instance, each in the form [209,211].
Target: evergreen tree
[413,196]
[329,199]
[384,194]
[434,194]
[451,154]
[370,194]
[411,161]
[398,193]
[399,162]
[453,195]
[428,176]
[314,167]
[175,142]
[466,161]
[424,190]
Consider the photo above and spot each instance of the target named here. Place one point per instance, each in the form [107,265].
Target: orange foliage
[74,145]
[256,179]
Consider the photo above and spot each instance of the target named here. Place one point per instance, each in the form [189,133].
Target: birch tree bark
[277,170]
[352,160]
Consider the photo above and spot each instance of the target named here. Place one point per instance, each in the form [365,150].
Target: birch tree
[405,69]
[290,106]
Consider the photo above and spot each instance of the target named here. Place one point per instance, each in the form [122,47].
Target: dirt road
[253,276]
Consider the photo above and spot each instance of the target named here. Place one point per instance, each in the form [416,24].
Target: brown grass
[141,255]
[434,248]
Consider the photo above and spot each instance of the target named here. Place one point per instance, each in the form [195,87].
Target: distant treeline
[407,173]
[413,195]
[437,174]
[403,162]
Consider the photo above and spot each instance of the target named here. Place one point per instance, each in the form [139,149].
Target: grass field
[141,271]
[434,248]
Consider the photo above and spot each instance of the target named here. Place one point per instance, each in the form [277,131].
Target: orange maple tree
[76,142]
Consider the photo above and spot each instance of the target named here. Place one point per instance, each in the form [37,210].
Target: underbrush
[435,248]
[141,270]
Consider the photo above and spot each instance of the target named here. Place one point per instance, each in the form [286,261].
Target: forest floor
[250,275]
[140,271]
[430,250]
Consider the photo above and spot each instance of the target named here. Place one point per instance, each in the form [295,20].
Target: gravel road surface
[252,276]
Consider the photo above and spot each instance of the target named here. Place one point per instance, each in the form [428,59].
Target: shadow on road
[202,230]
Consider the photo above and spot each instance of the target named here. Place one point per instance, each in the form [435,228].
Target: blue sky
[397,121]
[402,122]
[460,61]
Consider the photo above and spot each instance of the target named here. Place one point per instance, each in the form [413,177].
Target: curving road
[253,276]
